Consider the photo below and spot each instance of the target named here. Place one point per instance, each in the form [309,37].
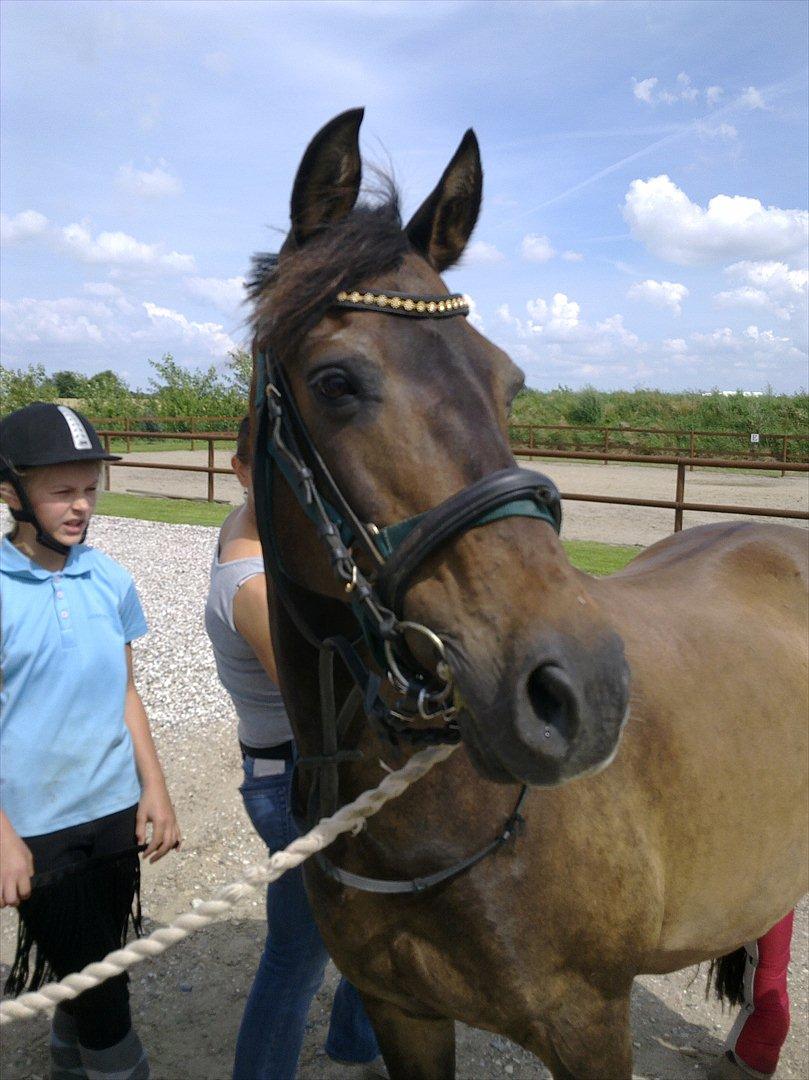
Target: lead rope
[350,818]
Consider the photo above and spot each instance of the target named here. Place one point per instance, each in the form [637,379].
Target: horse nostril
[555,704]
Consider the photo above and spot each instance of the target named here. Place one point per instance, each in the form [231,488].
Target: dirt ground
[187,1004]
[582,521]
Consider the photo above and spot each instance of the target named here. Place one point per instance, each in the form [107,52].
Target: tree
[21,387]
[106,395]
[187,392]
[69,384]
[240,366]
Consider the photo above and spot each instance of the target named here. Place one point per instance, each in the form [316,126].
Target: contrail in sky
[775,90]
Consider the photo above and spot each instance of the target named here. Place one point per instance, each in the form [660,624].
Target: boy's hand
[155,807]
[16,867]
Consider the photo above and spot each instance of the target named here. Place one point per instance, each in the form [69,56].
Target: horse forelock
[293,290]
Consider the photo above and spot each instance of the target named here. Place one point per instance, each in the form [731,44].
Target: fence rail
[678,504]
[773,445]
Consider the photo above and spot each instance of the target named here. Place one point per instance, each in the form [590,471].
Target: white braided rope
[348,819]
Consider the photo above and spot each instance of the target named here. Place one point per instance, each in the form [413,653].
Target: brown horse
[692,840]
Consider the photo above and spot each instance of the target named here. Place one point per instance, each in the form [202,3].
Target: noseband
[395,552]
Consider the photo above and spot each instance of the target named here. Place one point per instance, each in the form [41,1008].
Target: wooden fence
[678,504]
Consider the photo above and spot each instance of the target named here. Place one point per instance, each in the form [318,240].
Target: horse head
[407,413]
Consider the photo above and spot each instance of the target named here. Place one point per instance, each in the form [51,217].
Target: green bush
[19,388]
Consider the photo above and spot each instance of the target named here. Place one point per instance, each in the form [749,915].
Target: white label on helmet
[78,432]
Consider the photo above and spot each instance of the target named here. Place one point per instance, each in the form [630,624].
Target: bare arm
[16,865]
[155,804]
[251,618]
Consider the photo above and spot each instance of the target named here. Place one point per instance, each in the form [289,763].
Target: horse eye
[334,386]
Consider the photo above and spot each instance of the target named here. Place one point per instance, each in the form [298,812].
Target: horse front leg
[413,1047]
[588,1037]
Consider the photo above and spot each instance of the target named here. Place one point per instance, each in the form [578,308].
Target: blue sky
[644,219]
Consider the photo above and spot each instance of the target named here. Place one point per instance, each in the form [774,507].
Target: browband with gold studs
[391,303]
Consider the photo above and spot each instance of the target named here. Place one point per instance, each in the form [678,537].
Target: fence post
[679,497]
[531,442]
[211,465]
[106,463]
[606,443]
[191,428]
[784,454]
[691,449]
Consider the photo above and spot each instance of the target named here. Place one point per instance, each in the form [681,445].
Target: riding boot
[761,1027]
[66,1061]
[126,1060]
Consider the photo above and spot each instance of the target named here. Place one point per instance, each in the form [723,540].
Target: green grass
[158,445]
[588,555]
[595,558]
[172,511]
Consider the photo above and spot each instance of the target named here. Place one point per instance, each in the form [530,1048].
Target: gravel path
[188,1003]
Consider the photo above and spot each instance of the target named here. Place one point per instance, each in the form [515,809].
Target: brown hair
[292,291]
[243,448]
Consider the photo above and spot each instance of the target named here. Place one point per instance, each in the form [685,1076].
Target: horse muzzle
[553,715]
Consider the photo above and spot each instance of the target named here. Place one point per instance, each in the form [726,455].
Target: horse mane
[292,291]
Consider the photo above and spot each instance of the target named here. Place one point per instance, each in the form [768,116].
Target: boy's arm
[16,865]
[155,804]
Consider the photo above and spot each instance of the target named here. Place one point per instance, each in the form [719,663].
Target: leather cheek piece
[464,511]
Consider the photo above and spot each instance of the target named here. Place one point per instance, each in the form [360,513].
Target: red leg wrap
[762,1026]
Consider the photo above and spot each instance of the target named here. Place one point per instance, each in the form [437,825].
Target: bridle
[395,552]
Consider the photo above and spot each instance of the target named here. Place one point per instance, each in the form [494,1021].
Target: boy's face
[63,498]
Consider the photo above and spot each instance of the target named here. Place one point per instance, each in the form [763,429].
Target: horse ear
[440,228]
[328,179]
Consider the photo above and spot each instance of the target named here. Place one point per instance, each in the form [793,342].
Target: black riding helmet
[45,434]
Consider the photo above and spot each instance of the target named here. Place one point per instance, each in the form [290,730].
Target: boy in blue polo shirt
[80,778]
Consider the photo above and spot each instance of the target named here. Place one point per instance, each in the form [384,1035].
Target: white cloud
[644,88]
[614,328]
[121,250]
[155,184]
[662,217]
[226,294]
[559,326]
[572,256]
[684,90]
[752,98]
[113,249]
[102,288]
[663,294]
[767,286]
[67,321]
[211,335]
[713,94]
[536,248]
[474,315]
[756,344]
[22,226]
[481,253]
[111,293]
[708,130]
[557,319]
[675,345]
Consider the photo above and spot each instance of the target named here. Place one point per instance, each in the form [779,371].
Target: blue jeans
[291,968]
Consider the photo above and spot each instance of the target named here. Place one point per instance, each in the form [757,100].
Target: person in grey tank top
[292,965]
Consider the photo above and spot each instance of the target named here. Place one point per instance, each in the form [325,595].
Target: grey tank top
[263,719]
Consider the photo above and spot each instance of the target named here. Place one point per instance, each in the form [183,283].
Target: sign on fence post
[754,438]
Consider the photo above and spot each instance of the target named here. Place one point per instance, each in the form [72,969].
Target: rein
[283,443]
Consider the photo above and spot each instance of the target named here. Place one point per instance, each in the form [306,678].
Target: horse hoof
[728,1067]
